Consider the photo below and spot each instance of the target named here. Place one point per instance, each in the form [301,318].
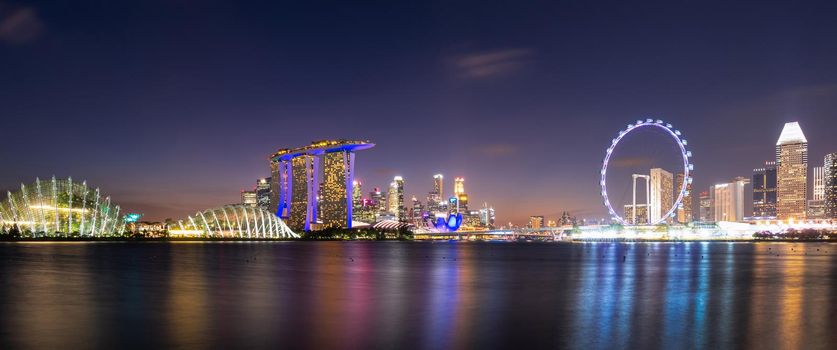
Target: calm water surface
[402,295]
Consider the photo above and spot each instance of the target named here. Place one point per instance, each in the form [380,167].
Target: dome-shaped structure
[233,221]
[60,208]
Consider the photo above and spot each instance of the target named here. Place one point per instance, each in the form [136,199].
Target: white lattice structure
[233,221]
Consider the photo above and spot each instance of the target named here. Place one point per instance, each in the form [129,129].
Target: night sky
[174,106]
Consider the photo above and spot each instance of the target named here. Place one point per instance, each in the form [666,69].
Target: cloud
[493,63]
[498,150]
[20,25]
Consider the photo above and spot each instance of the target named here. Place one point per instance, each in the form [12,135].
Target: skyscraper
[764,191]
[792,173]
[459,192]
[295,180]
[357,195]
[728,200]
[458,185]
[705,210]
[830,185]
[378,200]
[396,199]
[305,182]
[684,211]
[816,206]
[819,183]
[439,185]
[338,189]
[263,193]
[662,193]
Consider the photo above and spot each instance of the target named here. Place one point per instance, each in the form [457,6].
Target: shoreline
[179,240]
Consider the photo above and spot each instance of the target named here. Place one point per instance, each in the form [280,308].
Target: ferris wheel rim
[687,167]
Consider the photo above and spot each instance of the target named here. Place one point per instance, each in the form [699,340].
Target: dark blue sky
[174,106]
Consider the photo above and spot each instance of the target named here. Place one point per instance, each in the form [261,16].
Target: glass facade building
[764,191]
[60,208]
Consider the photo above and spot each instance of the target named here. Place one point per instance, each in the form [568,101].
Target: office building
[249,199]
[395,199]
[684,211]
[728,200]
[263,193]
[791,173]
[705,207]
[830,186]
[459,193]
[662,194]
[439,185]
[764,191]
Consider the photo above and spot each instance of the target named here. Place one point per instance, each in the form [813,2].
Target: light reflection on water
[361,295]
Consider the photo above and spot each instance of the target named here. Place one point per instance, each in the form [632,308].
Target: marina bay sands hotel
[295,183]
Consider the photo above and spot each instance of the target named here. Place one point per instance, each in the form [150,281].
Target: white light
[688,153]
[677,132]
[669,126]
[659,121]
[684,142]
[639,122]
[691,167]
[649,120]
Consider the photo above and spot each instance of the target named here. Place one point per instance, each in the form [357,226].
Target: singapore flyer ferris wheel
[682,188]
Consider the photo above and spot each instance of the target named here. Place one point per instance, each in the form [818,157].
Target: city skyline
[168,124]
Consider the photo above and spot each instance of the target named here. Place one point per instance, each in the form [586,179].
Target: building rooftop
[791,133]
[323,146]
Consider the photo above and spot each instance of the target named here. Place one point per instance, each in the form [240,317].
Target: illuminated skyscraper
[728,200]
[396,199]
[662,193]
[439,185]
[830,185]
[378,200]
[764,191]
[816,206]
[338,170]
[263,193]
[487,216]
[792,173]
[295,182]
[819,183]
[357,195]
[303,205]
[684,211]
[459,192]
[705,210]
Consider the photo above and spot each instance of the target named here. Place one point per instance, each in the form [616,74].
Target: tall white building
[792,173]
[662,194]
[728,200]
